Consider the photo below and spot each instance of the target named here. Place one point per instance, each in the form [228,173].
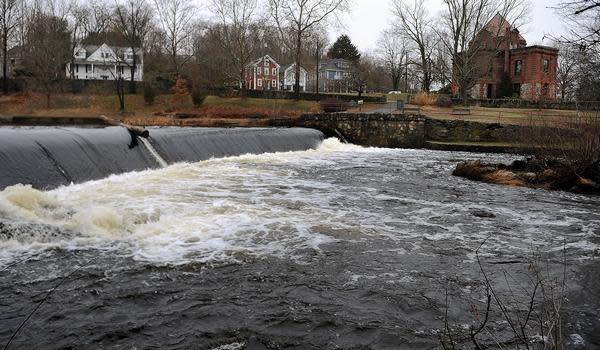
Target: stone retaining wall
[378,130]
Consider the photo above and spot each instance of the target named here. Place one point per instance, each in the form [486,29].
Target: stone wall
[466,131]
[378,130]
[406,131]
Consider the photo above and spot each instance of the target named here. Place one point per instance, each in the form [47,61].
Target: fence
[290,95]
[521,103]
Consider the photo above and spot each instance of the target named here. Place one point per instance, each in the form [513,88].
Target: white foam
[268,204]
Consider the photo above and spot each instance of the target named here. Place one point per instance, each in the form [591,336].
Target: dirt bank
[550,174]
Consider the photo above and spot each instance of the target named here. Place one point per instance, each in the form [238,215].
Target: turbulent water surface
[339,247]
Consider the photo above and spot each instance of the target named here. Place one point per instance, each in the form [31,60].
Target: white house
[288,77]
[105,63]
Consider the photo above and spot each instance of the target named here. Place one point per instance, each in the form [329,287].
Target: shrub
[198,96]
[149,93]
[443,101]
[332,105]
[424,99]
[180,91]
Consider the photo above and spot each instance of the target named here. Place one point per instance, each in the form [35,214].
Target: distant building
[262,74]
[334,75]
[15,62]
[532,69]
[105,62]
[288,77]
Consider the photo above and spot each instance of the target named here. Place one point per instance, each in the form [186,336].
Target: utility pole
[317,76]
[406,74]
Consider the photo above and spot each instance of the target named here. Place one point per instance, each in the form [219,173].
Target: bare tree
[96,20]
[8,22]
[582,19]
[566,72]
[415,23]
[175,19]
[76,22]
[237,18]
[298,17]
[132,20]
[393,52]
[467,38]
[48,51]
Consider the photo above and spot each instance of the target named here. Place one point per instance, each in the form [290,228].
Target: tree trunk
[317,76]
[133,67]
[298,48]
[121,93]
[4,64]
[244,88]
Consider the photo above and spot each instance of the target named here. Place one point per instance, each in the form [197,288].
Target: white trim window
[274,71]
[266,63]
[259,82]
[266,70]
[258,71]
[274,83]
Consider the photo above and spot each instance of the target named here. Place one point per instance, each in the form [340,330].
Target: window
[259,82]
[274,71]
[266,63]
[518,67]
[77,68]
[546,65]
[274,83]
[517,90]
[266,71]
[258,71]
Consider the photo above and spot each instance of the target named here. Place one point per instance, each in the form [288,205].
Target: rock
[483,214]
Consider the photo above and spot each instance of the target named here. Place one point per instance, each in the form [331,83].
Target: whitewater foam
[279,204]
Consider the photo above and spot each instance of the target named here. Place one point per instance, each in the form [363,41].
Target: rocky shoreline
[535,172]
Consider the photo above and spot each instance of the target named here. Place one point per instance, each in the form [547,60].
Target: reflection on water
[335,247]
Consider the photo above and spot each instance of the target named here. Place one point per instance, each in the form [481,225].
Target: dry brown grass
[94,105]
[424,99]
[504,177]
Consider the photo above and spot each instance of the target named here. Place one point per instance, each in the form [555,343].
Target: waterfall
[47,157]
[153,152]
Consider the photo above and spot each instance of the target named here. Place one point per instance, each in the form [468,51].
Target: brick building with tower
[532,69]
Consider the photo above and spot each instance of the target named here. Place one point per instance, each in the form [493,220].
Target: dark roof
[335,64]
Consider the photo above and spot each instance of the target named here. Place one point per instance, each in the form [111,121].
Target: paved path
[389,107]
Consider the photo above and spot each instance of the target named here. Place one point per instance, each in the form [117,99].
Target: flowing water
[341,247]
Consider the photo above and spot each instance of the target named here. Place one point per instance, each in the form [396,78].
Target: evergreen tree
[343,48]
[505,88]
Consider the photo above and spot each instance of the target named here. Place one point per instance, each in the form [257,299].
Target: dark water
[338,248]
[50,157]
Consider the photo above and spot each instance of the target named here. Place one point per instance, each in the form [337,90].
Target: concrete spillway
[49,157]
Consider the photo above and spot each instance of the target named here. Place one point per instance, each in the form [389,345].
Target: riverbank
[548,174]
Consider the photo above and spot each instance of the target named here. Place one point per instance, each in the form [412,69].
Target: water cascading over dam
[50,157]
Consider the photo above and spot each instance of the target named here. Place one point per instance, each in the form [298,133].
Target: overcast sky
[370,17]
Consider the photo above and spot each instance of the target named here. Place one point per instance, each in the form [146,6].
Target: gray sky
[370,17]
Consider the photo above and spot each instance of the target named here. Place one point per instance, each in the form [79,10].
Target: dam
[49,157]
[273,239]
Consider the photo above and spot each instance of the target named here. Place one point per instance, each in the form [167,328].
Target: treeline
[209,42]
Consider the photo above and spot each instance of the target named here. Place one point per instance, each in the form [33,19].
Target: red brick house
[532,69]
[262,74]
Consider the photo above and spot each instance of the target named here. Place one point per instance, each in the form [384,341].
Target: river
[342,247]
